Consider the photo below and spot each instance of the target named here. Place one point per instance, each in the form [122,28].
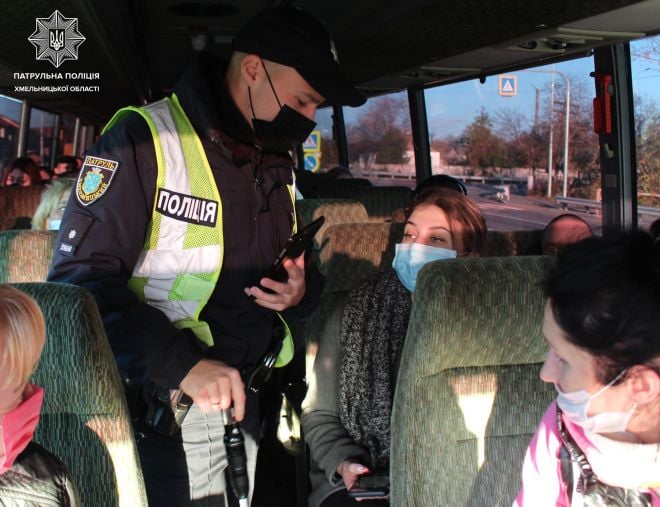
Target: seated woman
[29,475]
[346,414]
[48,215]
[599,442]
[22,172]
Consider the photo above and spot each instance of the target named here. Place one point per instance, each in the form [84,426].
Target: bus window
[40,137]
[67,134]
[645,56]
[504,136]
[10,114]
[380,141]
[327,151]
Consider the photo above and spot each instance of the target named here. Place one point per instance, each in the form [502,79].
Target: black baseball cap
[291,37]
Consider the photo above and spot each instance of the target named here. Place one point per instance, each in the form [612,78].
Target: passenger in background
[435,181]
[564,230]
[346,414]
[599,442]
[339,172]
[440,180]
[654,230]
[22,172]
[45,174]
[29,475]
[66,167]
[48,215]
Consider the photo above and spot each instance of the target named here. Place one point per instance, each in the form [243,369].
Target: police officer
[178,211]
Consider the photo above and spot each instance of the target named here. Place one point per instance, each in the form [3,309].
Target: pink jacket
[623,464]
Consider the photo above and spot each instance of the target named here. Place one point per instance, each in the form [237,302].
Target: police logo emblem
[56,38]
[95,178]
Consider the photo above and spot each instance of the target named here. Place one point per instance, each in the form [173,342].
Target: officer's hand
[287,295]
[214,386]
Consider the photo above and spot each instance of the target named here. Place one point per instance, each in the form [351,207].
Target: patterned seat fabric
[468,396]
[335,211]
[25,255]
[381,202]
[351,253]
[85,420]
[20,201]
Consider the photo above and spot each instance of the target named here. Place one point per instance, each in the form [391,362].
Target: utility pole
[568,112]
[552,110]
[536,108]
[566,125]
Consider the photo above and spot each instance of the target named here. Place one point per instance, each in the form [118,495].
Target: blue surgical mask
[575,405]
[410,257]
[54,225]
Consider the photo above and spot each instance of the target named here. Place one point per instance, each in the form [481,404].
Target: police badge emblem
[94,179]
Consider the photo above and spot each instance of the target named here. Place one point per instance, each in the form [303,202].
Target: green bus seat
[85,420]
[335,211]
[381,202]
[25,255]
[351,253]
[20,201]
[468,396]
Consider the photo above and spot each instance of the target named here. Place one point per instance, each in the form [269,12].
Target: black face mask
[288,129]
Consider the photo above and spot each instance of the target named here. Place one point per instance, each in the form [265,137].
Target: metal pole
[55,145]
[76,137]
[552,108]
[566,127]
[339,130]
[23,129]
[420,133]
[566,132]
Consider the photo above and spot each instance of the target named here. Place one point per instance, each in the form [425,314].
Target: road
[521,212]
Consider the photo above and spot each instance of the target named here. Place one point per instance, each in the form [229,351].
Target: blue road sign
[313,142]
[508,86]
[312,162]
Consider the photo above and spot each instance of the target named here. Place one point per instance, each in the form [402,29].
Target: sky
[451,108]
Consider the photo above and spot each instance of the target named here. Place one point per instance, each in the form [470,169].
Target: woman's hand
[351,472]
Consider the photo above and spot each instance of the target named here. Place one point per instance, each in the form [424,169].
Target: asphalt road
[520,212]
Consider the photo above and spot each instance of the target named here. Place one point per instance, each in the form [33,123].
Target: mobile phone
[371,486]
[294,246]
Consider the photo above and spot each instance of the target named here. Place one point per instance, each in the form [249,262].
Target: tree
[382,132]
[647,134]
[329,154]
[483,148]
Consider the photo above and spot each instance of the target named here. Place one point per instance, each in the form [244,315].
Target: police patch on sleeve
[95,177]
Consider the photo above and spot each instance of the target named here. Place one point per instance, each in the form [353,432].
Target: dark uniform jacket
[37,479]
[98,244]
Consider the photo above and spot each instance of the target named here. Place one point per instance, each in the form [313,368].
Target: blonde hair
[22,336]
[49,200]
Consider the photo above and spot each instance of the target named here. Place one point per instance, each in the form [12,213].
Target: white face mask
[411,257]
[575,406]
[54,225]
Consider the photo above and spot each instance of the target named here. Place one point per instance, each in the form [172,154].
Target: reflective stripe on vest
[181,258]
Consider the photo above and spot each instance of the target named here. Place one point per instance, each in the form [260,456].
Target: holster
[160,409]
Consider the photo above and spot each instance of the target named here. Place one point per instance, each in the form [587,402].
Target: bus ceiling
[140,47]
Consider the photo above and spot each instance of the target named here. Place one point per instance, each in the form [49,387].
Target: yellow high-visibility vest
[182,255]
